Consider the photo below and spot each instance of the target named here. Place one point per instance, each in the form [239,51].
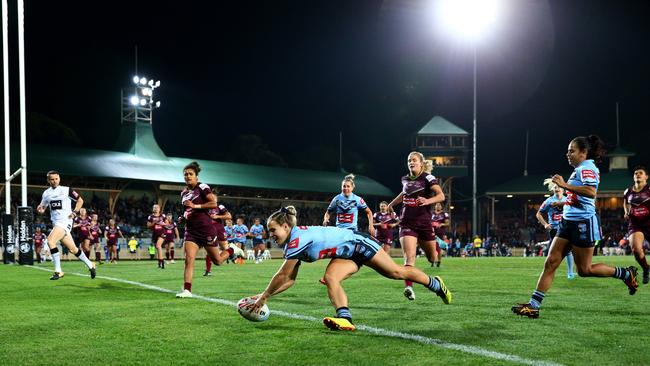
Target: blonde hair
[427,165]
[285,215]
[549,182]
[349,178]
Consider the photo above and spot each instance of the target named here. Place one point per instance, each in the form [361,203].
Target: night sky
[295,73]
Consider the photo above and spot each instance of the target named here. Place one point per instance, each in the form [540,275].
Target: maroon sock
[167,255]
[98,256]
[171,253]
[187,286]
[408,283]
[208,264]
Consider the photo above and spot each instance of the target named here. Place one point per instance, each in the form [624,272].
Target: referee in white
[59,199]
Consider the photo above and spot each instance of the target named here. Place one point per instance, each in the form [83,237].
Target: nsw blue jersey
[311,243]
[580,207]
[347,210]
[240,232]
[230,233]
[257,231]
[553,213]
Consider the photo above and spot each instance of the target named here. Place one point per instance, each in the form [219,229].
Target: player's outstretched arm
[282,280]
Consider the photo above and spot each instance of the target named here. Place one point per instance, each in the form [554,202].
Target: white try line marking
[378,331]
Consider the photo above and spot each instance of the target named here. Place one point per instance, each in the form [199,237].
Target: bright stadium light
[146,92]
[151,82]
[143,81]
[143,102]
[157,84]
[134,100]
[469,20]
[136,80]
[158,104]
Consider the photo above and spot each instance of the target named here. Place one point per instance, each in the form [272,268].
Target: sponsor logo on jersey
[588,174]
[56,205]
[294,243]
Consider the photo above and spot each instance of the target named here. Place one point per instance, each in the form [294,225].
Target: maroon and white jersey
[38,239]
[437,220]
[412,188]
[95,230]
[639,213]
[196,218]
[82,223]
[385,219]
[220,210]
[169,232]
[158,222]
[112,234]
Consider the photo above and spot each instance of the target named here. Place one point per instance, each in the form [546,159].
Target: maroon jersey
[38,239]
[197,221]
[95,231]
[157,228]
[384,231]
[169,232]
[437,220]
[112,234]
[220,210]
[639,213]
[413,215]
[83,225]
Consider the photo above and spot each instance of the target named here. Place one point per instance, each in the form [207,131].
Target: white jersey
[59,200]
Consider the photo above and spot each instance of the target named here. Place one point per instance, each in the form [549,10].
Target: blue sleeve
[588,176]
[546,205]
[362,203]
[332,206]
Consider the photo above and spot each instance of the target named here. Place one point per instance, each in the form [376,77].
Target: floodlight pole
[5,79]
[474,203]
[21,78]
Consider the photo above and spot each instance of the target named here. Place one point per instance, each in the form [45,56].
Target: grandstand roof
[440,126]
[142,159]
[612,183]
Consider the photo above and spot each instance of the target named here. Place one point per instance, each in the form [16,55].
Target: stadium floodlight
[136,80]
[146,92]
[143,81]
[143,102]
[151,82]
[134,100]
[509,196]
[157,83]
[158,104]
[469,19]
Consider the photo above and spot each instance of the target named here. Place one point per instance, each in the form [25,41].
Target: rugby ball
[260,315]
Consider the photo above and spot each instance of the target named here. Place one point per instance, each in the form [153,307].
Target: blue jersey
[553,213]
[230,233]
[240,232]
[347,210]
[580,207]
[311,243]
[257,231]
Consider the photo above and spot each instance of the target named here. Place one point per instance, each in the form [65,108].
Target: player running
[385,222]
[440,223]
[155,222]
[637,212]
[580,226]
[80,225]
[346,205]
[218,216]
[170,235]
[257,232]
[112,234]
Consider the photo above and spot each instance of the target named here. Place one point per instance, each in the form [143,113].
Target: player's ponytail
[427,165]
[194,166]
[349,178]
[594,146]
[285,215]
[549,183]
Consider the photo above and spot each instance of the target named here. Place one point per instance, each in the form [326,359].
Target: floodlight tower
[469,20]
[138,101]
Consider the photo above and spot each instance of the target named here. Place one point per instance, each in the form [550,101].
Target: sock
[171,253]
[344,312]
[56,258]
[536,299]
[408,283]
[433,285]
[187,286]
[82,257]
[642,261]
[621,273]
[208,264]
[167,255]
[98,256]
[230,251]
[569,263]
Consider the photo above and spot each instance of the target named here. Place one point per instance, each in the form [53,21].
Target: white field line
[378,331]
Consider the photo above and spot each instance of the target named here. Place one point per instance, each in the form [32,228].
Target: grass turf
[76,320]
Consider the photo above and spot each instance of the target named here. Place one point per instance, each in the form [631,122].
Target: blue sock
[621,273]
[569,263]
[433,285]
[536,299]
[344,312]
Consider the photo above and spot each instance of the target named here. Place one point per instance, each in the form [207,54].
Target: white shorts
[64,224]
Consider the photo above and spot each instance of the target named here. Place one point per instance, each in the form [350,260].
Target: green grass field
[78,321]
